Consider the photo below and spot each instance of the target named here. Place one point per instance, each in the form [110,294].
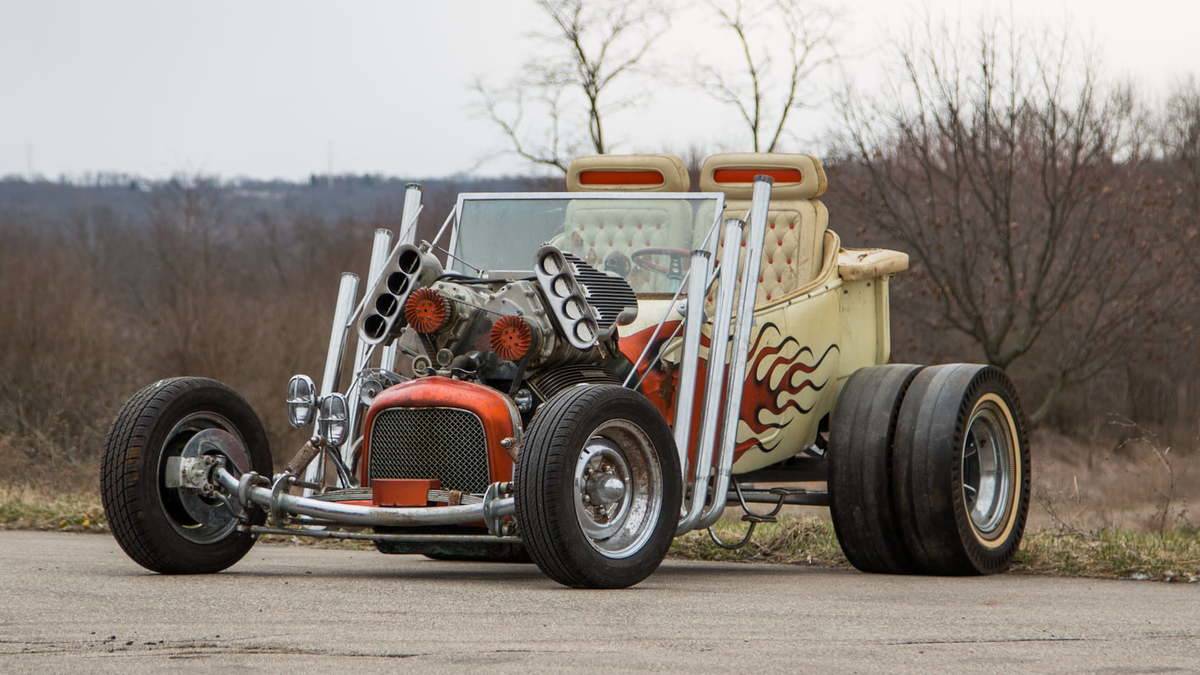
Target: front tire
[173,530]
[598,487]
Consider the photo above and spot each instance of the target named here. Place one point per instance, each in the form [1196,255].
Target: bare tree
[593,45]
[768,87]
[1181,138]
[1013,174]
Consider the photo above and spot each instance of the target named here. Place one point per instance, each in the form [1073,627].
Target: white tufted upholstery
[796,221]
[596,228]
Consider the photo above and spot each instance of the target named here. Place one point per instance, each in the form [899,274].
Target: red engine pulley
[511,337]
[426,310]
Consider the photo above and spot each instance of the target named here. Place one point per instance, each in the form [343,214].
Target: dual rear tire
[929,470]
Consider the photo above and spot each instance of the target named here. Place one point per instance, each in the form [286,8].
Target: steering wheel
[674,266]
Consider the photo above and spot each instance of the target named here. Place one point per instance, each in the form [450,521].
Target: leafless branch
[763,96]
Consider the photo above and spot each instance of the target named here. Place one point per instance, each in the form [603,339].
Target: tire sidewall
[989,556]
[596,569]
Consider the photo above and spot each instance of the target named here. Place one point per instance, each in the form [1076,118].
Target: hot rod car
[576,378]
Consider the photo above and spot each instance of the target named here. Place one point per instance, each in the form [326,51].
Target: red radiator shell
[498,414]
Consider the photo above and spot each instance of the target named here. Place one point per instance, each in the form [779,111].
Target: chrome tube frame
[737,368]
[381,245]
[718,343]
[347,293]
[276,501]
[375,536]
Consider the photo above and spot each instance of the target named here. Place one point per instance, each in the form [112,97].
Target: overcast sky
[289,88]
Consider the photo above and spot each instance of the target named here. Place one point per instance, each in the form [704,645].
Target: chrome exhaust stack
[697,291]
[347,292]
[380,246]
[717,346]
[700,510]
[741,347]
[408,235]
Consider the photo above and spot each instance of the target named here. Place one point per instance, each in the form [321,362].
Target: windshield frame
[709,240]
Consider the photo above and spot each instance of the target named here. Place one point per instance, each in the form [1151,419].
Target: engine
[479,355]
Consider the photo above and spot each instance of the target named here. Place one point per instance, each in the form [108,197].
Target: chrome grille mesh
[448,444]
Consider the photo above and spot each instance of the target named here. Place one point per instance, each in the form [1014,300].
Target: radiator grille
[448,444]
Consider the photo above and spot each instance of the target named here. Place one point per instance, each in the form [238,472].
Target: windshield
[644,237]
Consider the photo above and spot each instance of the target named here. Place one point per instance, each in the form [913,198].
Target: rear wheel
[962,468]
[861,492]
[164,527]
[598,487]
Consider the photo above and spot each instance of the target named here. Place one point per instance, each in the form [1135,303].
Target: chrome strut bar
[701,511]
[278,501]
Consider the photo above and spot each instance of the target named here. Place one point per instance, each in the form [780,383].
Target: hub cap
[987,469]
[618,488]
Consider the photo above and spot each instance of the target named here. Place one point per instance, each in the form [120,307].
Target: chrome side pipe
[698,272]
[700,511]
[741,346]
[347,293]
[276,500]
[717,345]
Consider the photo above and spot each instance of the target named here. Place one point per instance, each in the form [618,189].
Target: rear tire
[962,468]
[157,525]
[861,492]
[598,487]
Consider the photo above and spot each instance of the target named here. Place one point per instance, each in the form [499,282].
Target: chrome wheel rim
[618,489]
[987,469]
[198,518]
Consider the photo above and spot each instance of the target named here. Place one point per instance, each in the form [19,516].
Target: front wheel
[164,527]
[598,487]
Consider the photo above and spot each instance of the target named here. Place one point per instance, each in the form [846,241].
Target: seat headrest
[795,176]
[629,173]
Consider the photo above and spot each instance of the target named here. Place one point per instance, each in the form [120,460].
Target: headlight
[301,399]
[331,419]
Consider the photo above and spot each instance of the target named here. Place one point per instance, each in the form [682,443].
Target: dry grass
[27,508]
[1107,554]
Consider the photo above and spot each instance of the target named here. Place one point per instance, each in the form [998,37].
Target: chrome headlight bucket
[301,400]
[332,415]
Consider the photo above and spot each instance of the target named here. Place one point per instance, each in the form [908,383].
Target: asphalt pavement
[75,603]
